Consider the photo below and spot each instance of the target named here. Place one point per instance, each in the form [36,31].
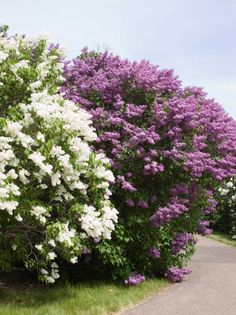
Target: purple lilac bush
[169,148]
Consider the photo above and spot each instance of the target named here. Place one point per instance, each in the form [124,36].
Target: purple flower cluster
[171,211]
[125,185]
[211,206]
[86,251]
[175,274]
[180,241]
[154,252]
[203,228]
[134,279]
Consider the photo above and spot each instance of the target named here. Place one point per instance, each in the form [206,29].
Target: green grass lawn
[82,299]
[224,238]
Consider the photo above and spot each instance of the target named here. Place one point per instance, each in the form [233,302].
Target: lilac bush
[54,189]
[169,148]
[225,219]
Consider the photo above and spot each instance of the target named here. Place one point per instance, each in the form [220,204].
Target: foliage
[169,148]
[54,190]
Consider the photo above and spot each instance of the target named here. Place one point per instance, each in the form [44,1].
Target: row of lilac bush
[106,164]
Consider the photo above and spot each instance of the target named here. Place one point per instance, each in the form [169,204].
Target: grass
[98,298]
[223,238]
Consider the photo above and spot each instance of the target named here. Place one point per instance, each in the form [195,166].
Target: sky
[196,38]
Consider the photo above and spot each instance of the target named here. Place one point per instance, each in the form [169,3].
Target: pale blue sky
[197,38]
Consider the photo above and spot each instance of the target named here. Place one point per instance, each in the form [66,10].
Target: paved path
[209,290]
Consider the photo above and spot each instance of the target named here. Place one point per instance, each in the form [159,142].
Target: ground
[209,290]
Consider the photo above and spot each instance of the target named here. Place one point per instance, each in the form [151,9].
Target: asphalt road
[209,290]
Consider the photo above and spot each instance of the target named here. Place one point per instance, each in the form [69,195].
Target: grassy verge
[82,299]
[223,238]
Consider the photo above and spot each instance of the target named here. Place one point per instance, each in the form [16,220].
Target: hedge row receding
[105,164]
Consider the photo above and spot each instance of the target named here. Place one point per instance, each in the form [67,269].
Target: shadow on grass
[40,295]
[22,290]
[97,297]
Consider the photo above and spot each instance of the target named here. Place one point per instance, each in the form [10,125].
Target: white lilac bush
[54,190]
[227,208]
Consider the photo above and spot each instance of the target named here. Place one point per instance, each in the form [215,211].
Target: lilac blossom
[175,274]
[171,211]
[211,207]
[142,204]
[130,202]
[154,252]
[134,279]
[180,242]
[86,251]
[203,228]
[125,185]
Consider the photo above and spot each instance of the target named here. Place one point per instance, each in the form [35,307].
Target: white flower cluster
[66,234]
[97,225]
[14,45]
[50,278]
[8,190]
[47,165]
[40,213]
[229,188]
[3,56]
